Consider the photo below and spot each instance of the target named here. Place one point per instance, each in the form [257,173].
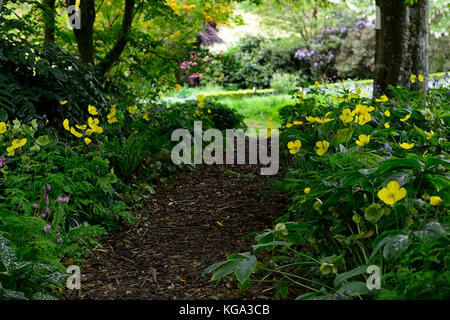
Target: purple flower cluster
[46,188]
[387,149]
[186,65]
[62,199]
[2,161]
[304,53]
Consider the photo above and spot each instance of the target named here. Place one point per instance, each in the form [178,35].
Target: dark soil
[191,224]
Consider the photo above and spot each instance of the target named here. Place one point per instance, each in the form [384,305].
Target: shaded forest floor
[193,222]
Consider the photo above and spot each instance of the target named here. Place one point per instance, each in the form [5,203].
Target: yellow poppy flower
[297,123]
[16,143]
[392,193]
[289,125]
[311,119]
[407,146]
[2,127]
[146,118]
[322,147]
[430,135]
[406,118]
[363,140]
[435,200]
[421,78]
[66,124]
[294,146]
[362,114]
[63,102]
[75,132]
[10,151]
[93,122]
[92,110]
[112,120]
[132,109]
[387,113]
[83,127]
[387,125]
[346,116]
[383,98]
[307,190]
[412,78]
[87,141]
[325,119]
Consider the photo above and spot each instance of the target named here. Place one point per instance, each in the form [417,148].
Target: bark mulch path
[164,256]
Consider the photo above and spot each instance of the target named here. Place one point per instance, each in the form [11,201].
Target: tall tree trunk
[113,56]
[49,21]
[84,35]
[390,44]
[418,42]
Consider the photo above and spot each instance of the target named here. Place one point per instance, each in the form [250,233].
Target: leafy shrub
[284,83]
[22,280]
[356,59]
[253,62]
[35,80]
[369,185]
[216,114]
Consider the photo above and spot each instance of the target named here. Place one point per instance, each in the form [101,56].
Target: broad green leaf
[392,164]
[43,140]
[342,136]
[349,274]
[352,289]
[226,269]
[270,245]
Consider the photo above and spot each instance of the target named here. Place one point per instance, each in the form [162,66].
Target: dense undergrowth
[369,187]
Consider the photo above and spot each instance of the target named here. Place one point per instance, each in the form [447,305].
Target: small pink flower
[47,228]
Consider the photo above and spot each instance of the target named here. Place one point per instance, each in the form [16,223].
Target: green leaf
[243,270]
[43,140]
[8,255]
[351,289]
[349,274]
[342,136]
[432,230]
[395,246]
[401,177]
[226,269]
[392,164]
[270,245]
[42,296]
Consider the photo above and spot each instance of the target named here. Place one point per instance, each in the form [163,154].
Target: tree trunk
[391,45]
[418,43]
[113,56]
[84,35]
[49,21]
